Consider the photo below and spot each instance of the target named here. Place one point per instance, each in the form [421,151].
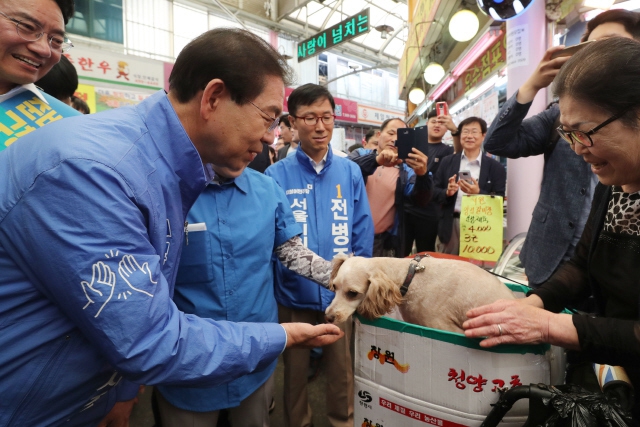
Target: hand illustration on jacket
[132,272]
[100,290]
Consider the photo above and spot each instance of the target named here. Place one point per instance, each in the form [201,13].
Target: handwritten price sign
[481,227]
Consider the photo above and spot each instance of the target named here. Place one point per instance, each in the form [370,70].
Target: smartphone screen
[442,109]
[404,142]
[465,175]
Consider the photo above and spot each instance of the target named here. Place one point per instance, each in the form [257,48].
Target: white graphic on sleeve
[102,286]
[131,271]
[100,290]
[115,379]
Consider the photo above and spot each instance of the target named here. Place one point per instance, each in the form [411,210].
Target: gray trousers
[252,412]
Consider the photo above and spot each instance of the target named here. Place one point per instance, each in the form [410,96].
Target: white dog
[438,296]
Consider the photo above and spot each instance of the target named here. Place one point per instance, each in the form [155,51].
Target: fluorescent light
[448,81]
[420,110]
[627,5]
[483,88]
[458,106]
[475,52]
[598,4]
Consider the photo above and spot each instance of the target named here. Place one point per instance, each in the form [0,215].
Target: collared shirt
[320,165]
[226,270]
[472,166]
[19,89]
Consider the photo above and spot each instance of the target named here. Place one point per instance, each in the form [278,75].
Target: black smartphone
[421,139]
[404,143]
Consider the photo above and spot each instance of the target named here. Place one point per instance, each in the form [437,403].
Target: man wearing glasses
[32,40]
[92,224]
[329,201]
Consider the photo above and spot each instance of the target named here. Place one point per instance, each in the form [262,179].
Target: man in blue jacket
[92,213]
[328,199]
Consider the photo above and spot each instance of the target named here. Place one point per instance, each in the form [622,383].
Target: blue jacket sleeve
[96,264]
[512,136]
[362,219]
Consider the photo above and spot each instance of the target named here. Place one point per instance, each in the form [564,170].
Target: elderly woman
[599,91]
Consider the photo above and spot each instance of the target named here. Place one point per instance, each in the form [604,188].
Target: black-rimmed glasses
[327,119]
[584,138]
[32,32]
[275,120]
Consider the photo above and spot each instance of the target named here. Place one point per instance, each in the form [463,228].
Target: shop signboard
[109,67]
[88,94]
[375,116]
[419,27]
[346,30]
[493,59]
[346,111]
[107,98]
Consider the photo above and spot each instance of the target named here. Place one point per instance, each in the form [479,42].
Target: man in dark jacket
[488,176]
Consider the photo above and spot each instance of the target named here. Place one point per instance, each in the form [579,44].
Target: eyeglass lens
[312,120]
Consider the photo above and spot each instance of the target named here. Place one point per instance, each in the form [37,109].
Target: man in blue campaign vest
[329,200]
[32,40]
[92,227]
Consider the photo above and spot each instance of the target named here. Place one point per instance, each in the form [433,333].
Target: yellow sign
[88,94]
[481,227]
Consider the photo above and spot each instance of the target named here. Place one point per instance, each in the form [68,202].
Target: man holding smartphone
[478,174]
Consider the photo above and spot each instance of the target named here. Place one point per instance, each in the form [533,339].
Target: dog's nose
[329,318]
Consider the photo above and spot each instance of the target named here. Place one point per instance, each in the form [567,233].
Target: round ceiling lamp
[416,95]
[463,25]
[501,10]
[433,73]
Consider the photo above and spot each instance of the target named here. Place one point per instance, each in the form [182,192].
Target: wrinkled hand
[447,122]
[388,157]
[305,335]
[469,188]
[452,186]
[543,75]
[131,271]
[100,290]
[521,323]
[119,414]
[417,161]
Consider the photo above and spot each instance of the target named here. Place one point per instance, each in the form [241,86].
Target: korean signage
[109,67]
[346,111]
[419,27]
[518,46]
[375,116]
[343,31]
[493,59]
[481,227]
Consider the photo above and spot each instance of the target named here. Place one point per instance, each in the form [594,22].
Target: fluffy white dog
[438,297]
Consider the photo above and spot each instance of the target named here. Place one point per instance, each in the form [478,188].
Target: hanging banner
[346,30]
[88,94]
[481,227]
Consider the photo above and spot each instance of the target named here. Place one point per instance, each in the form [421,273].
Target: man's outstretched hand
[305,335]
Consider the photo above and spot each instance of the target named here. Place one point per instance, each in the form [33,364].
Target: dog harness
[414,268]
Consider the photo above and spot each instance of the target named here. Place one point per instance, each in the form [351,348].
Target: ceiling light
[501,10]
[416,95]
[384,30]
[464,25]
[598,4]
[433,73]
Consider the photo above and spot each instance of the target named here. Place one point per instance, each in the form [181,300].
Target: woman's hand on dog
[305,335]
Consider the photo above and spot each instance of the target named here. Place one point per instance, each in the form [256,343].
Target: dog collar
[413,268]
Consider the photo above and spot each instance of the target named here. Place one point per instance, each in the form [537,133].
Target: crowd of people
[174,244]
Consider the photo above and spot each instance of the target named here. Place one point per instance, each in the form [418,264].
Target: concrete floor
[143,417]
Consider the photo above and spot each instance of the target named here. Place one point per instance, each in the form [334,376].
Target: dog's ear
[336,263]
[383,294]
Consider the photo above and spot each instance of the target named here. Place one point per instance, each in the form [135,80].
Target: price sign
[481,227]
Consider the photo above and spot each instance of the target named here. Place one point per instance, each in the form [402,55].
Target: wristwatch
[456,133]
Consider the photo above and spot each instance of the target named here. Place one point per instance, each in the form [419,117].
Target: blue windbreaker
[333,210]
[92,212]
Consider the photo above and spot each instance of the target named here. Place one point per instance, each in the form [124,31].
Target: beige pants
[252,412]
[337,364]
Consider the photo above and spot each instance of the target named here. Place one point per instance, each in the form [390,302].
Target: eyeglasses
[32,32]
[471,132]
[584,138]
[327,119]
[275,120]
